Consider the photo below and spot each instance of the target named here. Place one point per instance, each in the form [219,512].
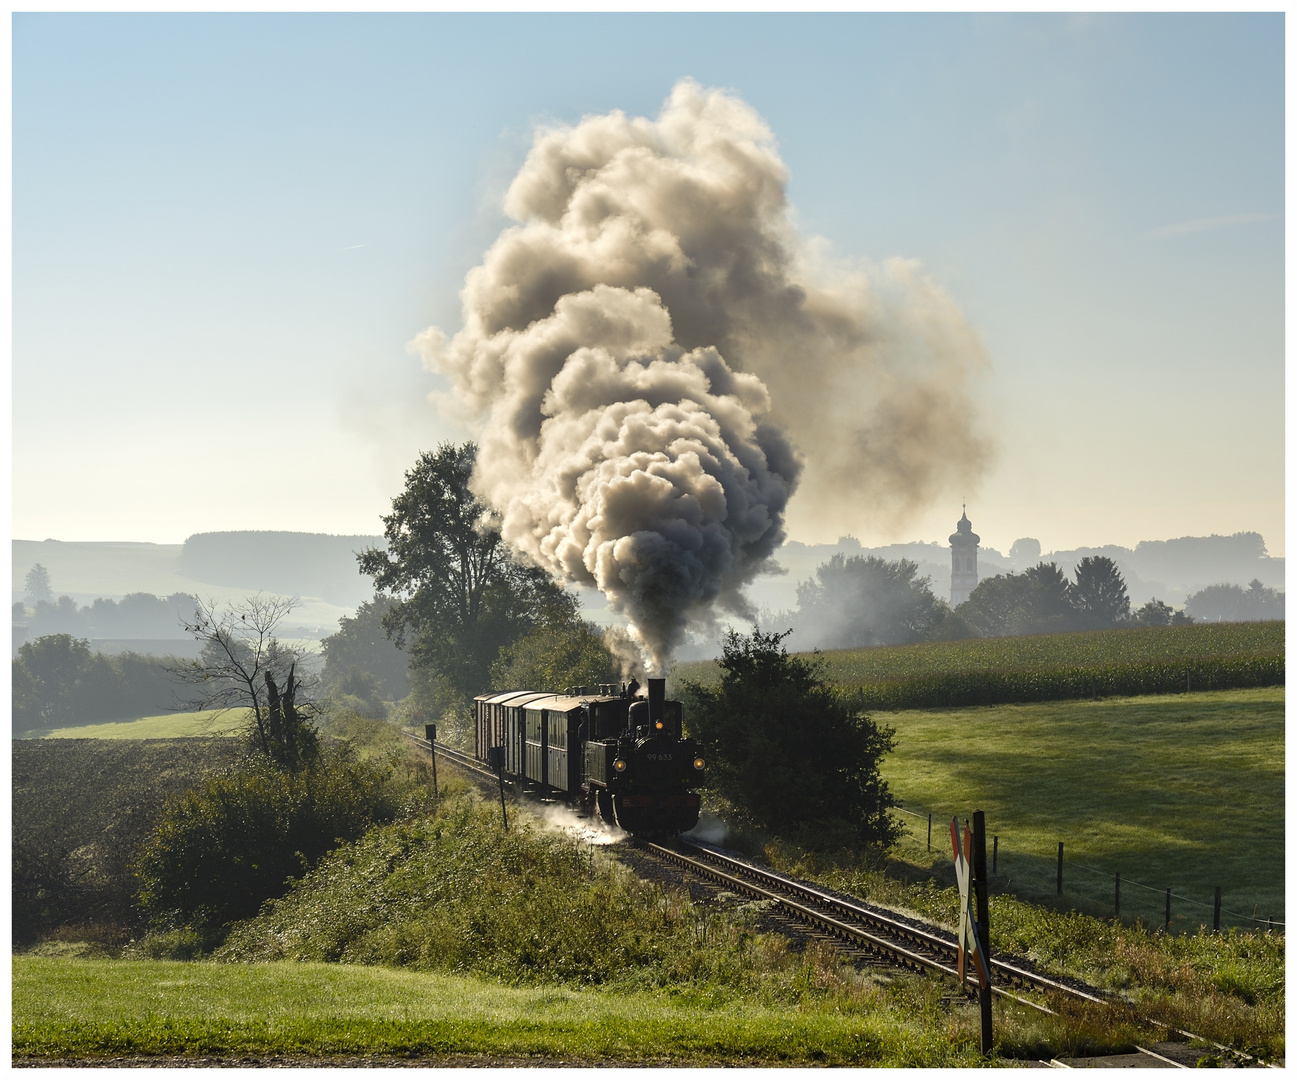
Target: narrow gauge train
[595,747]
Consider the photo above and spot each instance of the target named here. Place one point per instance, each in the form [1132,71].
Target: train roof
[506,696]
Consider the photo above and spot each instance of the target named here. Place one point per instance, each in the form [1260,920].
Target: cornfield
[1055,667]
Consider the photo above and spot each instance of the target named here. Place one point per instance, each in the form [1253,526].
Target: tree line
[859,601]
[136,615]
[58,681]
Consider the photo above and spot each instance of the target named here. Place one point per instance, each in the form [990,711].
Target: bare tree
[244,665]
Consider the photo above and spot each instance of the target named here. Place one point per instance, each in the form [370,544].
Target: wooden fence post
[995,855]
[1168,909]
[929,831]
[1215,915]
[1116,897]
[1060,868]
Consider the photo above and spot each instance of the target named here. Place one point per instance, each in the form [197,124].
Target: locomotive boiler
[600,749]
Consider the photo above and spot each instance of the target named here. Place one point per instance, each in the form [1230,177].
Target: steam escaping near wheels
[658,361]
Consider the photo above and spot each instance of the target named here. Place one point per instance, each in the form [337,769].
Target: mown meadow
[183,725]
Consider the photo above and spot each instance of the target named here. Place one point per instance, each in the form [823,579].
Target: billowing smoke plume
[652,340]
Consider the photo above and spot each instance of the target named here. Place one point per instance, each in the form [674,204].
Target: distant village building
[963,560]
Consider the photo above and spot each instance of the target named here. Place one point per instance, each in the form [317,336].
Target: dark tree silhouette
[243,665]
[785,750]
[1098,593]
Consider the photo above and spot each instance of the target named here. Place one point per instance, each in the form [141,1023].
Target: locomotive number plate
[658,757]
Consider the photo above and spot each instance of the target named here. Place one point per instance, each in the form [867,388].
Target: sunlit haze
[229,230]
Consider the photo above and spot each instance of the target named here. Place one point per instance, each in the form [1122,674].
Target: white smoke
[647,346]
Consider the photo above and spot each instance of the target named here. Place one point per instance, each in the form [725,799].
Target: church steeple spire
[963,559]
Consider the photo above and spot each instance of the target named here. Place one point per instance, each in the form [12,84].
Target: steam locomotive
[597,748]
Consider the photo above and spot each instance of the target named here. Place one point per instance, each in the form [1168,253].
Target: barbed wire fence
[1168,915]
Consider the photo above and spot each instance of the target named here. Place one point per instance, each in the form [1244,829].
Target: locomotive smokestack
[657,695]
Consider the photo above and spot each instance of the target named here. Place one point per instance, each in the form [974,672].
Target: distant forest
[299,564]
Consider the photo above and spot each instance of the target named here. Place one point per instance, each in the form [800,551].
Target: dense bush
[784,749]
[233,842]
[565,652]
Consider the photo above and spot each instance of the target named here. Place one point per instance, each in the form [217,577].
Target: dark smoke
[647,346]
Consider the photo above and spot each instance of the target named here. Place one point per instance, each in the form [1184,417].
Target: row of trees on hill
[137,615]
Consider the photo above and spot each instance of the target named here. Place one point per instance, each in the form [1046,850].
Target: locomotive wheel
[605,806]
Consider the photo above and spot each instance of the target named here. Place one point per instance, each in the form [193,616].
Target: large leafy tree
[863,600]
[49,678]
[1033,602]
[787,752]
[458,594]
[1098,593]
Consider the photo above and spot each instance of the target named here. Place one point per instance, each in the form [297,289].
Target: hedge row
[1003,687]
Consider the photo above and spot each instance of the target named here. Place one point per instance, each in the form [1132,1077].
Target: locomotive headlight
[619,765]
[699,763]
[658,725]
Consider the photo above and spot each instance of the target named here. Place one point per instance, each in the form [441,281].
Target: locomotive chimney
[657,695]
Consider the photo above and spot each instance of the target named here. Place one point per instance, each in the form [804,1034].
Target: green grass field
[1184,791]
[89,1007]
[168,726]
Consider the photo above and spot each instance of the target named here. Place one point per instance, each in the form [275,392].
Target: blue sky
[226,228]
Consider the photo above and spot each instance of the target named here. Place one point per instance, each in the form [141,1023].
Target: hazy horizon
[229,229]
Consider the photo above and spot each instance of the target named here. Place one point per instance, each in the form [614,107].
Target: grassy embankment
[1050,667]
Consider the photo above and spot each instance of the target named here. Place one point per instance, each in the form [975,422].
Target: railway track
[877,933]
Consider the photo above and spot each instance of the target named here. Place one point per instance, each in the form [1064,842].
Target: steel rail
[927,952]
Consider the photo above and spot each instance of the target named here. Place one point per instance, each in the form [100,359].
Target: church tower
[963,560]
